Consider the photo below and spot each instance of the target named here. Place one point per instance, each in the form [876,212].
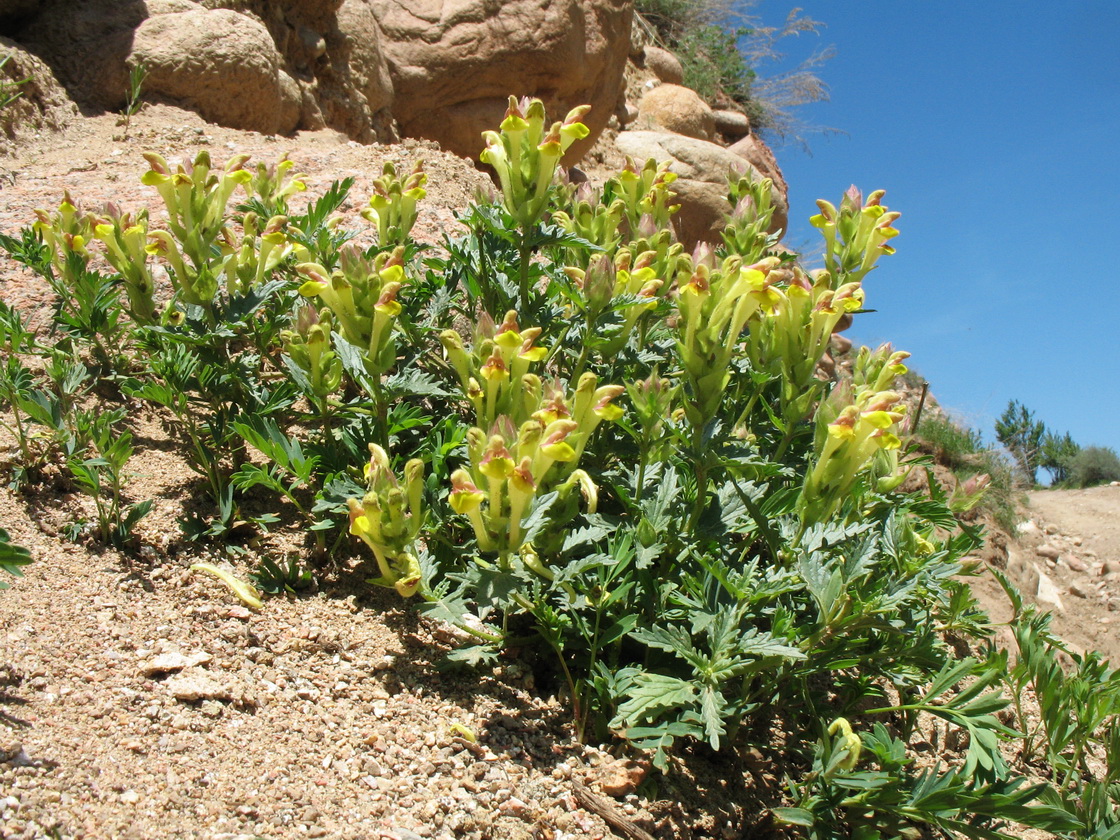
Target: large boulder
[222,64]
[677,109]
[42,103]
[702,169]
[454,63]
[663,64]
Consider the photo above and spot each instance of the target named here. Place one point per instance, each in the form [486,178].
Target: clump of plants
[562,433]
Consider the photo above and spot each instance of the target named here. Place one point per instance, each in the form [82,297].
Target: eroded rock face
[454,63]
[87,45]
[42,102]
[222,64]
[263,65]
[702,168]
[15,9]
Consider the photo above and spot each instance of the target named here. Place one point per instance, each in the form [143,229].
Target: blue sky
[994,127]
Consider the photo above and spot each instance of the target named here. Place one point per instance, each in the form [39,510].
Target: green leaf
[12,557]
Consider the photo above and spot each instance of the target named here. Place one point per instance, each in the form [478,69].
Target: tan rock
[676,109]
[1050,552]
[222,64]
[664,65]
[732,124]
[454,63]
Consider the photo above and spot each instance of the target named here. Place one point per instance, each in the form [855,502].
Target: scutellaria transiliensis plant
[361,295]
[310,348]
[67,231]
[514,465]
[525,155]
[856,234]
[392,207]
[273,184]
[196,199]
[126,241]
[715,305]
[849,437]
[388,518]
[248,263]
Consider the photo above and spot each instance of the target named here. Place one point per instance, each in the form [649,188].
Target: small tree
[1018,430]
[1057,455]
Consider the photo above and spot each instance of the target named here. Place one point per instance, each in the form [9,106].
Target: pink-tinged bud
[876,198]
[704,255]
[509,324]
[854,197]
[647,227]
[577,114]
[645,260]
[157,163]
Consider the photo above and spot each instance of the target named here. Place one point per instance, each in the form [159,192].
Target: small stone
[1051,529]
[130,797]
[1075,564]
[173,661]
[1050,552]
[1027,528]
[1108,567]
[1048,593]
[1076,540]
[514,807]
[620,778]
[195,685]
[1079,590]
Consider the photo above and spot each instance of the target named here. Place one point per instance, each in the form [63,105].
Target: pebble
[1050,552]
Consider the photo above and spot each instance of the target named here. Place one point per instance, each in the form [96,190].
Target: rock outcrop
[42,103]
[454,63]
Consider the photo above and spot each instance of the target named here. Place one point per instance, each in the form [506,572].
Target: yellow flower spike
[587,489]
[521,488]
[602,406]
[508,333]
[466,498]
[528,351]
[408,583]
[529,438]
[414,487]
[318,279]
[387,304]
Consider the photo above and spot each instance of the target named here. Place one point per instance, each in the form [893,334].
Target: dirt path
[1068,558]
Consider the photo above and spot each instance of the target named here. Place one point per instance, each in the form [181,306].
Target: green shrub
[956,446]
[1094,465]
[570,438]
